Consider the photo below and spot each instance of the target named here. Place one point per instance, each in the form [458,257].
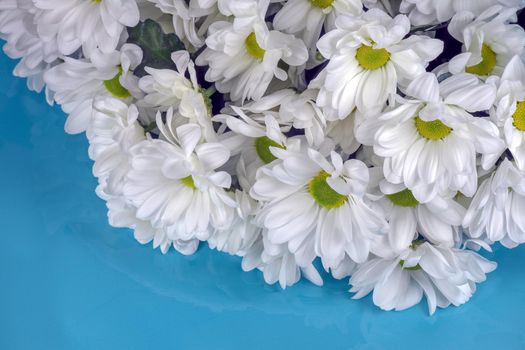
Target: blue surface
[70,281]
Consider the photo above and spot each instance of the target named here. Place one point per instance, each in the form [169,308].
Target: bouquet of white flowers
[384,139]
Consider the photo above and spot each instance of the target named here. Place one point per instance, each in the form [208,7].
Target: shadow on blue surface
[69,281]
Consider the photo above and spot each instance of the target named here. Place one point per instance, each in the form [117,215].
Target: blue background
[70,281]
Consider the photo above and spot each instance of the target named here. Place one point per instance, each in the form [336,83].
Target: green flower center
[207,100]
[403,198]
[416,243]
[487,64]
[115,88]
[188,181]
[411,268]
[262,147]
[370,58]
[253,48]
[433,130]
[518,118]
[322,3]
[323,194]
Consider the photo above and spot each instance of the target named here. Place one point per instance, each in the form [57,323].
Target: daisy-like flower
[93,25]
[244,56]
[343,134]
[489,41]
[184,21]
[174,184]
[112,131]
[509,113]
[242,234]
[497,208]
[292,109]
[368,58]
[18,29]
[436,220]
[278,264]
[444,275]
[424,12]
[191,19]
[122,214]
[300,111]
[306,18]
[256,139]
[167,89]
[76,82]
[430,143]
[316,207]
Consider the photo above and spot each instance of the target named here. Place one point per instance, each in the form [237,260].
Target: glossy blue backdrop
[70,281]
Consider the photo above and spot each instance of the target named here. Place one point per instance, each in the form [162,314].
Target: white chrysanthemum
[316,206]
[256,134]
[292,109]
[76,82]
[430,143]
[122,214]
[306,18]
[301,111]
[368,58]
[243,56]
[18,29]
[509,113]
[342,133]
[184,21]
[168,89]
[425,12]
[242,234]
[445,275]
[489,41]
[278,264]
[112,131]
[497,208]
[165,88]
[174,184]
[437,220]
[93,25]
[191,19]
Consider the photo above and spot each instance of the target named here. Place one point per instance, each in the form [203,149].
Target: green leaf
[156,45]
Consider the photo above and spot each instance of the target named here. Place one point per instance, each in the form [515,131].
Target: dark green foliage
[156,45]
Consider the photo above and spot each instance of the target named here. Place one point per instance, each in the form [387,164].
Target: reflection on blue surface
[69,281]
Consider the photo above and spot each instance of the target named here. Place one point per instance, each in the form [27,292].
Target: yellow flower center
[433,130]
[487,64]
[188,181]
[323,194]
[253,48]
[403,198]
[518,118]
[370,58]
[262,147]
[322,3]
[115,88]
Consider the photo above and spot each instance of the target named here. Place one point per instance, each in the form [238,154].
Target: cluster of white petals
[378,141]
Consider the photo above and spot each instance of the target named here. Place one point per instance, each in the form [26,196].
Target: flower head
[92,25]
[369,56]
[243,56]
[444,275]
[316,206]
[174,183]
[489,41]
[430,143]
